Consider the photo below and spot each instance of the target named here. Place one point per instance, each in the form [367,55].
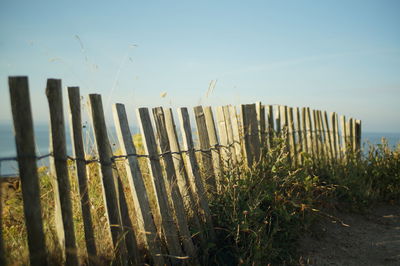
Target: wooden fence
[183,173]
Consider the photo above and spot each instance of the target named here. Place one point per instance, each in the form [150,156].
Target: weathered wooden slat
[25,145]
[172,184]
[78,152]
[339,154]
[358,136]
[229,131]
[250,134]
[158,182]
[223,137]
[344,135]
[310,133]
[334,141]
[146,231]
[321,131]
[316,134]
[271,128]
[260,109]
[299,134]
[189,199]
[278,120]
[196,184]
[349,129]
[58,221]
[305,144]
[109,180]
[133,253]
[354,135]
[54,97]
[328,135]
[237,143]
[292,137]
[212,137]
[205,155]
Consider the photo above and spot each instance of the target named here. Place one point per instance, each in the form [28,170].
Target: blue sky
[341,56]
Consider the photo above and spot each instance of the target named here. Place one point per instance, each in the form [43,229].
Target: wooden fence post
[344,135]
[172,184]
[25,144]
[260,109]
[278,120]
[299,134]
[223,136]
[158,182]
[195,181]
[349,125]
[229,131]
[304,130]
[271,128]
[292,137]
[146,231]
[212,136]
[109,181]
[339,154]
[328,136]
[316,134]
[237,143]
[189,199]
[250,134]
[54,97]
[358,135]
[205,155]
[333,135]
[309,130]
[322,139]
[78,152]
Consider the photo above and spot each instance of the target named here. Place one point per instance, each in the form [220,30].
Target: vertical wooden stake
[334,136]
[260,109]
[316,134]
[299,134]
[25,144]
[158,182]
[195,182]
[54,97]
[309,130]
[108,178]
[344,135]
[79,153]
[358,136]
[278,120]
[189,199]
[292,137]
[229,132]
[250,134]
[223,137]
[172,184]
[205,155]
[328,135]
[212,136]
[271,128]
[304,130]
[146,231]
[236,133]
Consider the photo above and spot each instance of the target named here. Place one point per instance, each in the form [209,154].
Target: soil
[372,238]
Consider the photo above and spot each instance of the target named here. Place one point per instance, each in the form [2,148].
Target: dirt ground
[355,239]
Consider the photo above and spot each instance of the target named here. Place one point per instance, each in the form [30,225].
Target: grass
[258,213]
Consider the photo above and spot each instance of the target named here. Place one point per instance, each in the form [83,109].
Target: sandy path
[369,239]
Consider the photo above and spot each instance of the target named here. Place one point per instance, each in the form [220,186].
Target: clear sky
[341,56]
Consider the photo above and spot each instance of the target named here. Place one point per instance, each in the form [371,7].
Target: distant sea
[10,168]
